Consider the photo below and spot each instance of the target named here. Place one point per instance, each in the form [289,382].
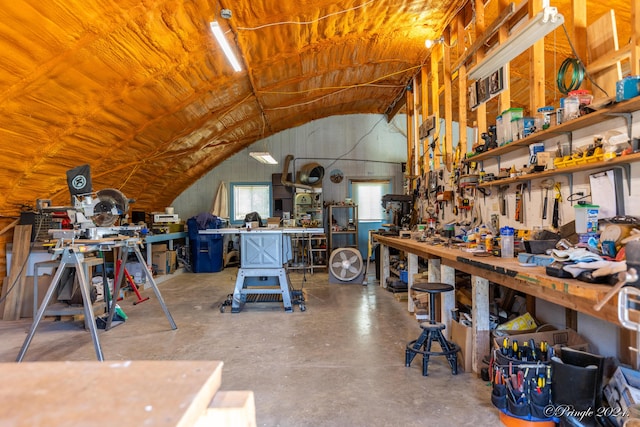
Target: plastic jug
[506,242]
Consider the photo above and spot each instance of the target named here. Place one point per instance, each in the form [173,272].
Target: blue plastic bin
[404,276]
[206,250]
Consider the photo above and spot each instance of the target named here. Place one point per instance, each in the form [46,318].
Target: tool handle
[544,208]
[556,207]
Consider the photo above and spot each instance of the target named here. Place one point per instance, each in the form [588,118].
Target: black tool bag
[521,389]
[577,384]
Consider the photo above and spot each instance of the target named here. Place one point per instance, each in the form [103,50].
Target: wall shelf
[624,108]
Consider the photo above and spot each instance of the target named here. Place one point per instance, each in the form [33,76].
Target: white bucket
[169,210]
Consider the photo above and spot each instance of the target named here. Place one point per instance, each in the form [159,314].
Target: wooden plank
[412,270]
[18,274]
[602,38]
[88,394]
[462,85]
[536,66]
[447,144]
[635,38]
[435,108]
[230,409]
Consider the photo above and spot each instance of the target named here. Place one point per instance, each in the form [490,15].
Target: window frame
[232,204]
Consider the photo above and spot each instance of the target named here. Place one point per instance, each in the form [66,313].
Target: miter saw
[96,216]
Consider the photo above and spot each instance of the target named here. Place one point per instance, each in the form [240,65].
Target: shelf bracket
[628,118]
[569,136]
[626,167]
[569,177]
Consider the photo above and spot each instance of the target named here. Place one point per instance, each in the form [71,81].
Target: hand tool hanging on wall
[555,221]
[547,184]
[503,201]
[519,201]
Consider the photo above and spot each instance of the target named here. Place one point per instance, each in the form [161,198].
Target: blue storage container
[404,276]
[206,249]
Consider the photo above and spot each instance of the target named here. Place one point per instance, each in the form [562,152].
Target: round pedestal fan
[346,266]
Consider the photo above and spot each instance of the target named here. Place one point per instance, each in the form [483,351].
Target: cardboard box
[165,262]
[159,248]
[623,389]
[172,261]
[557,339]
[273,222]
[463,335]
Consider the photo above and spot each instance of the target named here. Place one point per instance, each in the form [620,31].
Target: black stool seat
[432,331]
[432,288]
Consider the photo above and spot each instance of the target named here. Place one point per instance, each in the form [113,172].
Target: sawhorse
[72,257]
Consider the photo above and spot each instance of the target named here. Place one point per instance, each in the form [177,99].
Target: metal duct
[314,174]
[311,174]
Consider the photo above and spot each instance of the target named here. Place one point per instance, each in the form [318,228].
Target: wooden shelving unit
[349,236]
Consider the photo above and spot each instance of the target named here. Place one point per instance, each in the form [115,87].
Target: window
[250,197]
[368,197]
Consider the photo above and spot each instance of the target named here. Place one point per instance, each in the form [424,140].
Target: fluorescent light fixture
[539,26]
[224,44]
[264,157]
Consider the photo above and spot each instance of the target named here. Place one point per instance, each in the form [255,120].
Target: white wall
[327,141]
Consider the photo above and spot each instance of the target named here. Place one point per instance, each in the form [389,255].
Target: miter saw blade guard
[110,206]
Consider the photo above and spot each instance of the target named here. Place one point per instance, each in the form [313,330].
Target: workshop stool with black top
[432,331]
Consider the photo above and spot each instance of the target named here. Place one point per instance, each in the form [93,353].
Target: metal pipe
[285,171]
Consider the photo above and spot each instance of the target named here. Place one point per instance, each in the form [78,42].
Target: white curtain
[220,207]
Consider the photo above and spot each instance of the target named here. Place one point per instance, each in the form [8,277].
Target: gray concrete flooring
[339,363]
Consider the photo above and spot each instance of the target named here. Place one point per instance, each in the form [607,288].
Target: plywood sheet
[86,394]
[602,39]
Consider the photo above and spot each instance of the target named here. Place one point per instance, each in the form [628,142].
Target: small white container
[586,218]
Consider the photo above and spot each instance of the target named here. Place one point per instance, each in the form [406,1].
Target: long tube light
[264,157]
[539,26]
[224,44]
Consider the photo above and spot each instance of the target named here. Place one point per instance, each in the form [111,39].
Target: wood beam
[537,69]
[411,171]
[635,38]
[424,77]
[435,107]
[447,144]
[504,99]
[487,33]
[481,111]
[462,85]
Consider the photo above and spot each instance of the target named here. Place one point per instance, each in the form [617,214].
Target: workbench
[133,393]
[444,261]
[263,254]
[168,237]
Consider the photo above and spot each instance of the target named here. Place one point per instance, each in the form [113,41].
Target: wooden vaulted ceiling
[141,91]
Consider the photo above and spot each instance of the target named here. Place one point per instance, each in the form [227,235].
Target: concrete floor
[339,363]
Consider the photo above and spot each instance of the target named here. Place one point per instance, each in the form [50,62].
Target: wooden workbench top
[122,393]
[570,293]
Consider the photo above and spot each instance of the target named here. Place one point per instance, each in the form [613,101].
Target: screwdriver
[532,346]
[514,349]
[505,346]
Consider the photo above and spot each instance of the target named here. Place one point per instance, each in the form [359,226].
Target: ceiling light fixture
[224,44]
[430,43]
[264,157]
[539,26]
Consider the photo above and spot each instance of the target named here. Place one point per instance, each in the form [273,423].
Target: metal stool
[432,331]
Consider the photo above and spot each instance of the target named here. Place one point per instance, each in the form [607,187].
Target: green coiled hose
[577,74]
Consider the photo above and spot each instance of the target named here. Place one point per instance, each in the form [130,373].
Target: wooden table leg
[480,315]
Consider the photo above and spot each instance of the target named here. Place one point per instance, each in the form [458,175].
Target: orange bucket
[510,421]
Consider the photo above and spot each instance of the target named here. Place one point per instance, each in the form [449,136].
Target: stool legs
[423,346]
